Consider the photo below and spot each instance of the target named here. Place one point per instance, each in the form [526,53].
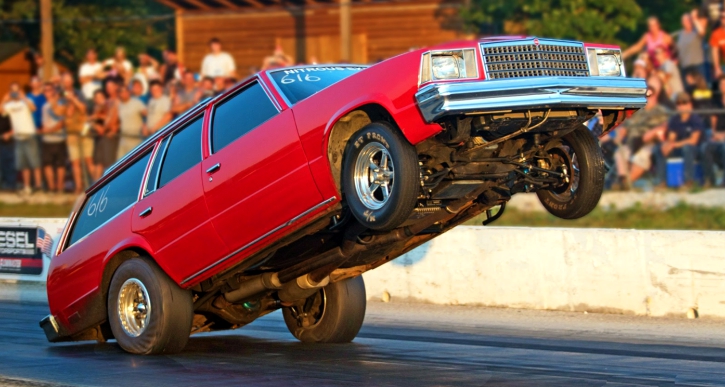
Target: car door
[172,215]
[257,177]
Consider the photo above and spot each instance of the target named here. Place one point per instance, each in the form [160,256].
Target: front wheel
[332,315]
[148,313]
[580,159]
[381,177]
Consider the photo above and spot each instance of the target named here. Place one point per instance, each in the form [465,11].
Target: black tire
[338,320]
[404,184]
[586,195]
[170,313]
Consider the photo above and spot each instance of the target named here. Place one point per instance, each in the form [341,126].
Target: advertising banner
[26,247]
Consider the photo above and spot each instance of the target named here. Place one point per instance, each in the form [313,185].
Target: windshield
[298,84]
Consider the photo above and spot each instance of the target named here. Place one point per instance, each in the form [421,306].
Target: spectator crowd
[82,124]
[684,119]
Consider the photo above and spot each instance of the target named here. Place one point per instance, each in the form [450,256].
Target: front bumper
[453,98]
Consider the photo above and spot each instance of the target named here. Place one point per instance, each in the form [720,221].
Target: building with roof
[14,65]
[320,31]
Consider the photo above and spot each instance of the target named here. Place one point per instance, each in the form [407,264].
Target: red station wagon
[280,193]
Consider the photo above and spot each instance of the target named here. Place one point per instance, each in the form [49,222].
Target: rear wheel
[332,315]
[580,159]
[148,313]
[381,177]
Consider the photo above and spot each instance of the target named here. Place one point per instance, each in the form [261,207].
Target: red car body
[260,189]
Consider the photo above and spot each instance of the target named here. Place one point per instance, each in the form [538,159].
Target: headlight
[605,62]
[448,64]
[445,67]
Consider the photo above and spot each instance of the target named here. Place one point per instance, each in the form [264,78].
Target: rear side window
[184,152]
[239,114]
[108,201]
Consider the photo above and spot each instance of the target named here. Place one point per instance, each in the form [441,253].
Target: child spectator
[670,73]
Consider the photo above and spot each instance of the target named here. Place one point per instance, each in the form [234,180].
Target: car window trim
[230,96]
[138,195]
[284,96]
[170,137]
[159,153]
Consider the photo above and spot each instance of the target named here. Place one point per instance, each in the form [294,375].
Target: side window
[239,114]
[184,151]
[154,171]
[110,200]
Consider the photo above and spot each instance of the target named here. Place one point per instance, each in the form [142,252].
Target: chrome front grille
[534,60]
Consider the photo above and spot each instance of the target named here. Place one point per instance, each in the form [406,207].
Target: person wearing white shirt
[217,63]
[90,74]
[119,66]
[27,156]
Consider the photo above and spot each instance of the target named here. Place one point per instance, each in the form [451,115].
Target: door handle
[146,212]
[214,168]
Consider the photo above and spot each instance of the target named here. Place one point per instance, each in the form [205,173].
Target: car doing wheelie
[281,192]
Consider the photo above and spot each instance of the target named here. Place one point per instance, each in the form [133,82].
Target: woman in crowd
[653,39]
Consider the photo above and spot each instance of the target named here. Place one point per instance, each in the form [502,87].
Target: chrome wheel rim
[374,175]
[134,307]
[571,168]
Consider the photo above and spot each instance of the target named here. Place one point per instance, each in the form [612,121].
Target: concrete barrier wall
[655,273]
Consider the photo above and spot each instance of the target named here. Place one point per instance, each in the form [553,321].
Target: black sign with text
[22,249]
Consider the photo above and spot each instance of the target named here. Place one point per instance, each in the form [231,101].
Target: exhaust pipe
[254,286]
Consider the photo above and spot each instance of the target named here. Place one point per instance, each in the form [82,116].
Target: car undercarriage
[473,166]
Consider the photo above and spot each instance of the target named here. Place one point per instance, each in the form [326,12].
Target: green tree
[138,25]
[588,20]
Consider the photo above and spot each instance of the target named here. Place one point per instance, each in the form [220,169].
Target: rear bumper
[51,329]
[454,98]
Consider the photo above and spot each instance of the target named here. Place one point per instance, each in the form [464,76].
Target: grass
[679,217]
[35,210]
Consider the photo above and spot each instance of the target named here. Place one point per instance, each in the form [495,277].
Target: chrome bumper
[453,98]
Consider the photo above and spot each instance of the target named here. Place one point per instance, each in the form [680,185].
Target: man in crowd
[27,159]
[689,43]
[90,74]
[38,97]
[684,131]
[53,145]
[80,146]
[639,134]
[131,113]
[217,63]
[186,96]
[40,62]
[713,151]
[171,69]
[138,92]
[8,175]
[717,46]
[159,109]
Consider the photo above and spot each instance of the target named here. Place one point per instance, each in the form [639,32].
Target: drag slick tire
[332,315]
[380,177]
[148,313]
[582,156]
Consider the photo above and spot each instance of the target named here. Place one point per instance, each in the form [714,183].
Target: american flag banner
[44,242]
